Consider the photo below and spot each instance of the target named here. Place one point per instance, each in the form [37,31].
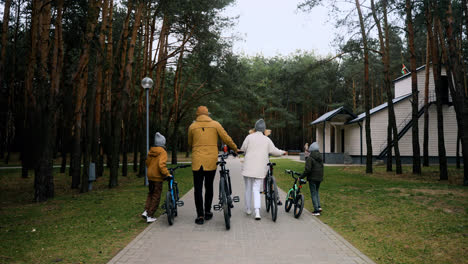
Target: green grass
[393,219]
[72,227]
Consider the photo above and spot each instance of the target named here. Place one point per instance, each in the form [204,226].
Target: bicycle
[225,190]
[172,195]
[271,192]
[294,195]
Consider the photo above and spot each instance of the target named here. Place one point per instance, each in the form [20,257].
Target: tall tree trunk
[455,68]
[109,69]
[29,98]
[81,91]
[43,116]
[385,50]
[126,71]
[100,75]
[367,90]
[436,69]
[426,106]
[414,89]
[4,89]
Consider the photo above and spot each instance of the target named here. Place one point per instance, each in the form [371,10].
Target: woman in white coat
[257,147]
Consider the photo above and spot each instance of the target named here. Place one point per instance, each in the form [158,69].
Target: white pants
[252,188]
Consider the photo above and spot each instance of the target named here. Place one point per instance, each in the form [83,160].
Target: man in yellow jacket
[203,138]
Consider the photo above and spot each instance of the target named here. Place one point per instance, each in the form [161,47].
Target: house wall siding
[450,133]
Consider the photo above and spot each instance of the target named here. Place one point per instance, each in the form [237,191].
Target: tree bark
[391,127]
[414,90]
[455,68]
[436,69]
[367,90]
[80,77]
[426,106]
[100,75]
[4,89]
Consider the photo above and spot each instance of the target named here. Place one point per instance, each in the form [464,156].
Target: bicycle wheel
[289,201]
[299,206]
[267,195]
[273,203]
[224,203]
[169,212]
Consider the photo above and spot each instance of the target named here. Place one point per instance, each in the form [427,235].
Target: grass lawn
[72,227]
[392,219]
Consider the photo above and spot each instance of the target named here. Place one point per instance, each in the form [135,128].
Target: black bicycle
[225,191]
[271,192]
[294,195]
[172,195]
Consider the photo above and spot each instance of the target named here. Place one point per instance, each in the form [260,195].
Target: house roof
[379,108]
[329,115]
[409,74]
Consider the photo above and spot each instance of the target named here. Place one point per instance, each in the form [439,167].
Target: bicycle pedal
[236,199]
[217,207]
[180,203]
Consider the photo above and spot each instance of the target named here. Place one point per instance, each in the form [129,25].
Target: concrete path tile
[288,240]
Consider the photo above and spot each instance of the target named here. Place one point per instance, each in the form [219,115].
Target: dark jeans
[154,196]
[314,192]
[198,178]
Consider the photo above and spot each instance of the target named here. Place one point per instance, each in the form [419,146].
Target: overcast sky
[276,27]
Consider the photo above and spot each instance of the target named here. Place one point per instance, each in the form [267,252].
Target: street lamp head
[147,83]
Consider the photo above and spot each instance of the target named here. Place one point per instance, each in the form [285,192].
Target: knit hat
[159,140]
[314,147]
[202,110]
[260,125]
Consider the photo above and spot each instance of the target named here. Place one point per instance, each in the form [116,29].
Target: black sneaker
[208,215]
[279,202]
[200,220]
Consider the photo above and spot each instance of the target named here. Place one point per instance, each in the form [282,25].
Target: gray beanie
[314,147]
[260,125]
[159,140]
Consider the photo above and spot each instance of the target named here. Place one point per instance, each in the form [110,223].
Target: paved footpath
[288,240]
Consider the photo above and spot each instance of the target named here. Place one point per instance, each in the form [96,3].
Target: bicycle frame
[225,191]
[295,189]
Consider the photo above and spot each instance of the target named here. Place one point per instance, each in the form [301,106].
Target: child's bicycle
[225,191]
[294,195]
[172,195]
[271,192]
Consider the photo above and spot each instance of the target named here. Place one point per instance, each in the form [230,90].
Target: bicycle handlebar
[293,173]
[179,167]
[225,155]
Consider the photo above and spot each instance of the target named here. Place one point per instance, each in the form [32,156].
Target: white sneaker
[144,214]
[150,219]
[248,211]
[257,214]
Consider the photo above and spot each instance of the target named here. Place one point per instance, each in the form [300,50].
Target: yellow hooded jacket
[156,163]
[203,138]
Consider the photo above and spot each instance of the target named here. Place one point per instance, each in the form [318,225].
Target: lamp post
[147,83]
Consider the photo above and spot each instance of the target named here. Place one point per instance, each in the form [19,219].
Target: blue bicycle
[172,195]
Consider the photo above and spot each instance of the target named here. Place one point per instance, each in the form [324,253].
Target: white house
[342,138]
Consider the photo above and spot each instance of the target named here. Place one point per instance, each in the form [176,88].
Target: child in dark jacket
[157,172]
[314,173]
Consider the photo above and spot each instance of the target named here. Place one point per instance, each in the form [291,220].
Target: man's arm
[225,137]
[190,136]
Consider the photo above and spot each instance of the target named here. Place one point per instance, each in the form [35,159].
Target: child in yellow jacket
[157,172]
